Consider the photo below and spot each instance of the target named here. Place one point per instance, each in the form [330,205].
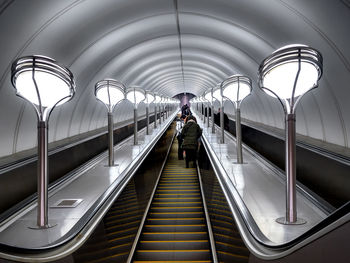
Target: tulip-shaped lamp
[157,101]
[217,94]
[236,88]
[148,100]
[45,84]
[287,75]
[110,92]
[208,95]
[135,95]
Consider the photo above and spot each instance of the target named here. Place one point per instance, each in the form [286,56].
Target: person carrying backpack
[190,134]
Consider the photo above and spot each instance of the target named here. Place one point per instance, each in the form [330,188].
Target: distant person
[185,110]
[190,134]
[179,126]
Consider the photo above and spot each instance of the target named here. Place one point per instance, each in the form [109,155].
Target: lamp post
[45,84]
[217,94]
[287,75]
[162,103]
[157,99]
[149,99]
[204,101]
[165,103]
[110,92]
[135,95]
[209,97]
[196,101]
[236,88]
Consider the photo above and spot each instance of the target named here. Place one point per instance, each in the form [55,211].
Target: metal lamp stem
[222,139]
[147,119]
[42,220]
[239,136]
[291,212]
[110,140]
[160,115]
[155,116]
[135,127]
[212,119]
[203,112]
[208,116]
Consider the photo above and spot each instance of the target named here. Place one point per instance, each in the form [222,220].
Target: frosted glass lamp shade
[149,98]
[135,95]
[217,94]
[110,92]
[157,99]
[208,96]
[297,65]
[41,81]
[236,88]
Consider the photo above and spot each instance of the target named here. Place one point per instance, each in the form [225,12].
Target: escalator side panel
[113,238]
[229,245]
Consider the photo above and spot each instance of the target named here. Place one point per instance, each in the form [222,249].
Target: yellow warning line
[159,251]
[174,225]
[174,213]
[166,203]
[233,255]
[177,218]
[174,233]
[173,241]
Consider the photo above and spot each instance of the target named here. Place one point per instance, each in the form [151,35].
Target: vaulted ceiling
[172,46]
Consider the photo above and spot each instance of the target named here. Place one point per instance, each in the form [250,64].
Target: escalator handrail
[87,224]
[255,240]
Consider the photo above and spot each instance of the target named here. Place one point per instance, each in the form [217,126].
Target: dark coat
[190,134]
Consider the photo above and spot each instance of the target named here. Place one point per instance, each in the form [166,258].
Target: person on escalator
[190,135]
[179,125]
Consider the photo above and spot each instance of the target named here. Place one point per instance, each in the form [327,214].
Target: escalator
[175,228]
[168,213]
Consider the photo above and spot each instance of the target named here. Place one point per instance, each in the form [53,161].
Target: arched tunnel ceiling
[138,43]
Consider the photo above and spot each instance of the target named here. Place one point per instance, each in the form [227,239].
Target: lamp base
[35,226]
[114,165]
[283,221]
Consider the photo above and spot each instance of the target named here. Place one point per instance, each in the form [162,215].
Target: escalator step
[176,221]
[170,261]
[175,214]
[174,235]
[175,228]
[174,244]
[200,254]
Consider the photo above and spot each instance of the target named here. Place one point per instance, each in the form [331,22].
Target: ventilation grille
[66,203]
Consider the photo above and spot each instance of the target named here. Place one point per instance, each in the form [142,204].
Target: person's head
[190,117]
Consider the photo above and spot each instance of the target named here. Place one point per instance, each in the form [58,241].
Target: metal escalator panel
[120,226]
[175,229]
[228,242]
[113,238]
